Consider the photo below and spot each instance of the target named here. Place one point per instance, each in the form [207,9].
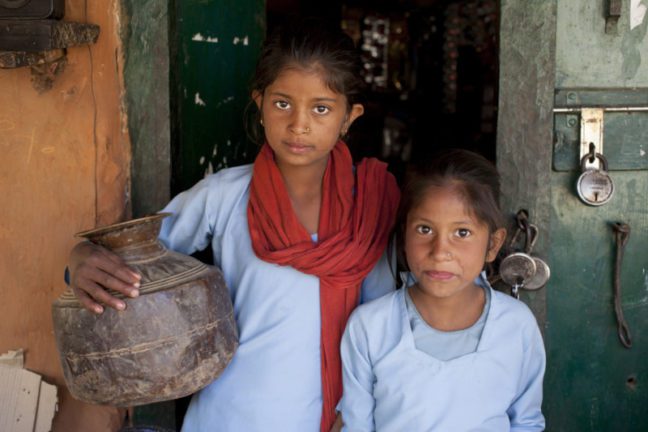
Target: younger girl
[447,353]
[295,235]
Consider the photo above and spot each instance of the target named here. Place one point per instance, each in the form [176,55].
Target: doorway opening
[431,69]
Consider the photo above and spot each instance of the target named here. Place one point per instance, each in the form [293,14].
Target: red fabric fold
[356,217]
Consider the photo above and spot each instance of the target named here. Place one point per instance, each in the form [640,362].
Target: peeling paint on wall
[199,101]
[245,40]
[637,13]
[631,44]
[200,38]
[209,170]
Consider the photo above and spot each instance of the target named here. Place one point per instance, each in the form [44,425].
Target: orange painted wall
[64,167]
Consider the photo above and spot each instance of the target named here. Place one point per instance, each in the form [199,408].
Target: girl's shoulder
[230,177]
[226,187]
[506,307]
[376,311]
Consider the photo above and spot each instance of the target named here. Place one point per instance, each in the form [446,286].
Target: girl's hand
[93,269]
[337,426]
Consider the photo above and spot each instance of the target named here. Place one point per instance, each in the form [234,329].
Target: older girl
[295,235]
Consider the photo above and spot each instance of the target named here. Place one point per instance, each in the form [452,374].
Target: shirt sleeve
[190,226]
[357,404]
[525,412]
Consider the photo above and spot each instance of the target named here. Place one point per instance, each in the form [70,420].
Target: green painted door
[558,54]
[216,45]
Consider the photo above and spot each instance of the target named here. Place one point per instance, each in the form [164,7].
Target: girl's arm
[357,404]
[525,412]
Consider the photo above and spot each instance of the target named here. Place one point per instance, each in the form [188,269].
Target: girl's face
[445,245]
[303,118]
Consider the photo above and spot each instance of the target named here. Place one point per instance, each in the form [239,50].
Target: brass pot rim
[104,229]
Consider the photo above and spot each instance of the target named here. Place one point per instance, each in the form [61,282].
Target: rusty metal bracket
[612,15]
[44,35]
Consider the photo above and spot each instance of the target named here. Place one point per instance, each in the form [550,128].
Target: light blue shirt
[389,385]
[273,382]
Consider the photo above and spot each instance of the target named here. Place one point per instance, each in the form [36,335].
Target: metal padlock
[540,277]
[517,269]
[595,187]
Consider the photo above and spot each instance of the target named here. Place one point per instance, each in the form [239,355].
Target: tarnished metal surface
[172,340]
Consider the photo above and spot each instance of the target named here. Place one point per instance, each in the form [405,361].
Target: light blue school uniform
[273,382]
[390,385]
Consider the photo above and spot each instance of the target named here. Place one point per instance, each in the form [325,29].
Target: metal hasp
[591,133]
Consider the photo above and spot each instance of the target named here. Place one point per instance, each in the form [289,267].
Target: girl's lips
[297,148]
[439,275]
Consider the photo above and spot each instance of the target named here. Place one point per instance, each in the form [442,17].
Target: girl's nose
[440,250]
[300,123]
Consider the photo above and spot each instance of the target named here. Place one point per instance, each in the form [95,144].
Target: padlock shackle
[597,155]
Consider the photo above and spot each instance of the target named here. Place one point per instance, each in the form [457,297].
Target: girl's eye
[423,229]
[321,109]
[282,105]
[463,233]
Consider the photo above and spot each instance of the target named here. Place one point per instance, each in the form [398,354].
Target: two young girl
[447,353]
[300,237]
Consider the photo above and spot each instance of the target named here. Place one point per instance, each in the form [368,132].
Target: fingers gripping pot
[172,340]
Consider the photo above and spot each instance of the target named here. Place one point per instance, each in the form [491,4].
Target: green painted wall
[588,57]
[216,46]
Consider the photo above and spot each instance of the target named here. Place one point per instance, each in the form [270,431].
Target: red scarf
[356,216]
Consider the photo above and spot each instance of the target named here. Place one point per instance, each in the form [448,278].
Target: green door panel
[594,383]
[217,44]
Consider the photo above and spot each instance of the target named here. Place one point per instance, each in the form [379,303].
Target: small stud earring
[261,121]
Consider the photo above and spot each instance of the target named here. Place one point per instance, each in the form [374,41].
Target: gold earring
[261,121]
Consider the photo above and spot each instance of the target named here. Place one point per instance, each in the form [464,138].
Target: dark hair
[310,44]
[475,178]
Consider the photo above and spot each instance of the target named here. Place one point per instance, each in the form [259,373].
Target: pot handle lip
[144,219]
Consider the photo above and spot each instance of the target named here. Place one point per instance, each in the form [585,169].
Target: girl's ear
[258,98]
[356,111]
[495,243]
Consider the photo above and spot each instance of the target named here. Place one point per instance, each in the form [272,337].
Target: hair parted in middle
[310,44]
[473,177]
